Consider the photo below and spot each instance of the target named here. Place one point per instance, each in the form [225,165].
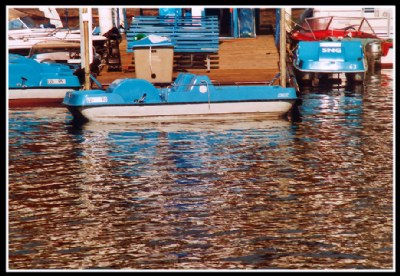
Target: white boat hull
[36,96]
[38,93]
[184,111]
[23,45]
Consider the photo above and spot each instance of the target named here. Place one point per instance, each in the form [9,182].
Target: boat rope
[96,81]
[274,79]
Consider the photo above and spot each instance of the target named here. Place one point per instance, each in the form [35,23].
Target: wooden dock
[239,60]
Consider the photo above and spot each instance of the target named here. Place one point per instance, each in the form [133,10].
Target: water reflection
[244,194]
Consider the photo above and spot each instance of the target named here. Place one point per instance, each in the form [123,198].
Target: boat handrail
[252,82]
[208,92]
[188,85]
[56,30]
[217,83]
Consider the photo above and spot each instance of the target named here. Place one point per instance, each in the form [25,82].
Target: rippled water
[315,193]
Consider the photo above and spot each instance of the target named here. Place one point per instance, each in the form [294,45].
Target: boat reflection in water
[245,194]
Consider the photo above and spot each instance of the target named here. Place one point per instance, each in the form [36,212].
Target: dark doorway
[225,20]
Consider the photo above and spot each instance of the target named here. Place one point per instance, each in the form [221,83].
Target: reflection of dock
[240,60]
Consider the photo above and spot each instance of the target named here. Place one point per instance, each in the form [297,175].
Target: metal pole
[282,48]
[105,20]
[389,14]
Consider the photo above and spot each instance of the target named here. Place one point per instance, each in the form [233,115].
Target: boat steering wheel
[348,30]
[351,27]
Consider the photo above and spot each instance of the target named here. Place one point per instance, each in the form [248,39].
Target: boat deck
[240,60]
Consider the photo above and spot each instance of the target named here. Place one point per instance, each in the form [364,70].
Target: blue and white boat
[316,58]
[33,83]
[190,97]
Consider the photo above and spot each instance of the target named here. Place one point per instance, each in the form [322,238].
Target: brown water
[306,195]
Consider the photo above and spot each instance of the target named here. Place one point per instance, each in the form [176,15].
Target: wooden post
[85,62]
[282,48]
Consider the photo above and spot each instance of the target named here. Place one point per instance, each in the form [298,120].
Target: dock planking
[239,60]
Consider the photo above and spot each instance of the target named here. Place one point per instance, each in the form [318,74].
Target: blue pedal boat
[32,83]
[189,97]
[330,57]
